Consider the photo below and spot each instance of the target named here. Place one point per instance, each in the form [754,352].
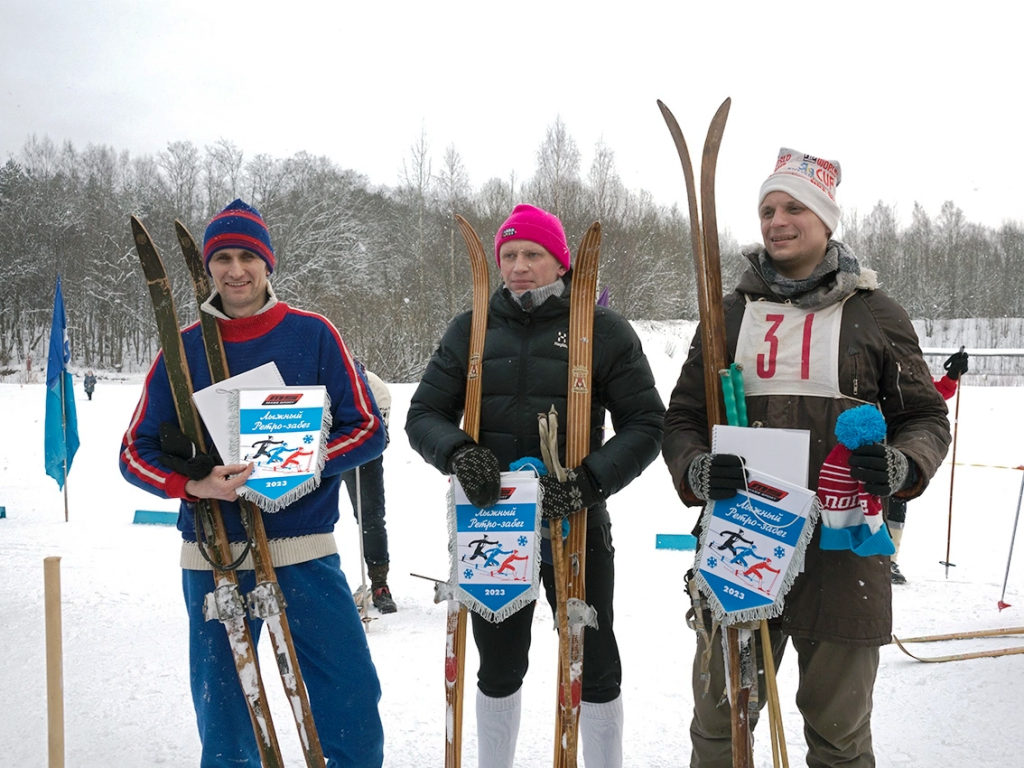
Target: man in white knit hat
[815,338]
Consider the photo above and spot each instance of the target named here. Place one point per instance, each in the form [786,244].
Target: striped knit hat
[239,225]
[851,518]
[809,179]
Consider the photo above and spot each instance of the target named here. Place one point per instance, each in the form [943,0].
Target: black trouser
[897,511]
[371,488]
[505,648]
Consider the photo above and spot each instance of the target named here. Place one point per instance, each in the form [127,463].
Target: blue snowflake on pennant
[522,541]
[779,552]
[467,574]
[307,439]
[712,562]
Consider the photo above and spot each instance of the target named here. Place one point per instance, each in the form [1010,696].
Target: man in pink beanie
[525,371]
[816,338]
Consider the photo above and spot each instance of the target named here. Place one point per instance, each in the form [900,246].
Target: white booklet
[214,402]
[781,453]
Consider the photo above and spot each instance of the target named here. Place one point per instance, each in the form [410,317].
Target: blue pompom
[527,463]
[859,426]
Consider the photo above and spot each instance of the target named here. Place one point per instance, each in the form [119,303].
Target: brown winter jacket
[840,597]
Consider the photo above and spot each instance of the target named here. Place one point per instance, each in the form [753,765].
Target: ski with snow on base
[227,599]
[266,601]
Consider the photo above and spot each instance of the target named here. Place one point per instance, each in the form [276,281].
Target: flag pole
[64,430]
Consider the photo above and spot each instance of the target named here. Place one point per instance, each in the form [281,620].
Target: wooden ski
[266,601]
[1011,651]
[455,632]
[707,265]
[569,560]
[969,635]
[227,595]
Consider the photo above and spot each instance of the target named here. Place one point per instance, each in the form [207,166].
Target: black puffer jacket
[525,372]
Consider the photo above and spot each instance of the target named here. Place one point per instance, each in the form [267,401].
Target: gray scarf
[530,300]
[835,278]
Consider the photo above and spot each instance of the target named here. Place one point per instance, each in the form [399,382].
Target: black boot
[895,575]
[382,599]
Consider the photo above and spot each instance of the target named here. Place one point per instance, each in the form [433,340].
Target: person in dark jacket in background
[956,366]
[525,371]
[815,338]
[370,502]
[90,383]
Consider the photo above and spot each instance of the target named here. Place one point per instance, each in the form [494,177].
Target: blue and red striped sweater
[308,350]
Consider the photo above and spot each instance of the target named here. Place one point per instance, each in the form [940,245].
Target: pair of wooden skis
[226,603]
[569,557]
[739,643]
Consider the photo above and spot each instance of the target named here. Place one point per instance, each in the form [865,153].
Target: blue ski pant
[333,656]
[505,647]
[371,490]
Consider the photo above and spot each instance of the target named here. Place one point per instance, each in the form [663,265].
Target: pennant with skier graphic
[753,548]
[283,431]
[495,553]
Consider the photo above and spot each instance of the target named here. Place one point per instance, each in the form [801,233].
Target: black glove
[882,469]
[956,365]
[477,470]
[181,454]
[716,476]
[579,491]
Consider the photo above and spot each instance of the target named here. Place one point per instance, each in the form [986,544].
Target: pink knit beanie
[528,222]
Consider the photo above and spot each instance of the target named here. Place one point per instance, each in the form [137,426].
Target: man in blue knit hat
[330,642]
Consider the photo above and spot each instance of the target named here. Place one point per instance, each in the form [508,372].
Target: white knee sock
[601,733]
[497,728]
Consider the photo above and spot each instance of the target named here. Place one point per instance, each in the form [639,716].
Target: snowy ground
[125,654]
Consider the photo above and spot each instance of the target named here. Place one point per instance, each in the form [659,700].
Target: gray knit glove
[716,476]
[579,491]
[476,468]
[882,469]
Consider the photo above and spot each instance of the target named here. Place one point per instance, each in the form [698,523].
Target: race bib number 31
[786,350]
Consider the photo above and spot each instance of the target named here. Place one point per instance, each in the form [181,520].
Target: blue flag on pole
[61,440]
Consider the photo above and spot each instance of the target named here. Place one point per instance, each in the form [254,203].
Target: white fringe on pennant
[773,609]
[464,597]
[265,503]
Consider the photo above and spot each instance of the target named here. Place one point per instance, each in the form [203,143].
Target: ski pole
[363,591]
[952,474]
[1013,538]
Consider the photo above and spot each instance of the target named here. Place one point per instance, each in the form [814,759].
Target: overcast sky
[918,102]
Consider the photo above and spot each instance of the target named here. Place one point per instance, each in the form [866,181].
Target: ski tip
[667,114]
[139,230]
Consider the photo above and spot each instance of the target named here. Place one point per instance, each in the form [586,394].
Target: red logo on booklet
[506,493]
[767,491]
[288,399]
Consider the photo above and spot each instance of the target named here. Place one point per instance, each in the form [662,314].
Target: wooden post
[54,663]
